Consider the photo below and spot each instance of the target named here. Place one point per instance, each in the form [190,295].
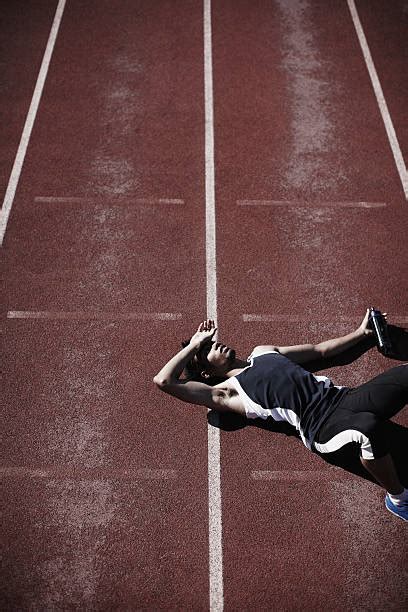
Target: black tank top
[275,386]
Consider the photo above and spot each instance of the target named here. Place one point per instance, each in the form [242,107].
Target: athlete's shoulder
[264,349]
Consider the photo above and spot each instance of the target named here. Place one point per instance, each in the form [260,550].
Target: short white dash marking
[311,205]
[389,127]
[305,318]
[81,473]
[248,318]
[397,320]
[93,316]
[32,112]
[287,318]
[292,475]
[98,200]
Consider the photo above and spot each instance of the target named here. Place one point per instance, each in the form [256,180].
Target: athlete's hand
[204,333]
[365,326]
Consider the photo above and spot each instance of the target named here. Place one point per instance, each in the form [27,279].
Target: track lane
[296,134]
[120,125]
[91,285]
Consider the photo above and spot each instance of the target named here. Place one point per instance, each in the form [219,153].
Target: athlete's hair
[193,370]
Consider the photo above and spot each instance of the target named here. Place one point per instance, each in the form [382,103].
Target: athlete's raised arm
[303,353]
[194,392]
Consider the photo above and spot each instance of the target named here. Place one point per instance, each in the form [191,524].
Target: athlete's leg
[383,470]
[361,418]
[370,433]
[385,395]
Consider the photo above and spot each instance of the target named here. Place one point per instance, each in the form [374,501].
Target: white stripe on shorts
[345,437]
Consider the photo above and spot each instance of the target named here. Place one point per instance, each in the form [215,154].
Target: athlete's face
[215,357]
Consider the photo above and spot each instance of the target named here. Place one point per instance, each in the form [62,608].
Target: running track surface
[105,489]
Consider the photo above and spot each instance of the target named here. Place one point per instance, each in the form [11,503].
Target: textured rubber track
[298,129]
[104,478]
[105,489]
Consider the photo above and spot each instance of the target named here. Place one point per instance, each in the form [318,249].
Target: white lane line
[93,316]
[32,112]
[295,475]
[98,200]
[87,473]
[209,168]
[216,590]
[312,205]
[304,318]
[389,127]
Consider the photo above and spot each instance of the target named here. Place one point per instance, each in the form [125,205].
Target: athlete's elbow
[320,352]
[160,382]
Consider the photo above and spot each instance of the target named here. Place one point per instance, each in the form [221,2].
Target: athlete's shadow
[347,457]
[399,341]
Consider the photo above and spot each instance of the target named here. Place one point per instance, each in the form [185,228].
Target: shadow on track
[347,457]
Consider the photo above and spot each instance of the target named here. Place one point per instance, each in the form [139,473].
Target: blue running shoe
[401,510]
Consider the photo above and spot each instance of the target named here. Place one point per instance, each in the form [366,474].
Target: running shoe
[400,510]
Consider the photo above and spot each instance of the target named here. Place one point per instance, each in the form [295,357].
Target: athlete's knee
[373,440]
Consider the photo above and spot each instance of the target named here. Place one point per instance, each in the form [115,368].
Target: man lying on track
[272,383]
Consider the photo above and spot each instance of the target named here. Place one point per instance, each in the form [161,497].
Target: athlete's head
[213,360]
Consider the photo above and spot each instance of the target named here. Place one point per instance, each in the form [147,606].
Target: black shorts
[361,413]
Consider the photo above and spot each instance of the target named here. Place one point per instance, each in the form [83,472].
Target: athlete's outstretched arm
[304,353]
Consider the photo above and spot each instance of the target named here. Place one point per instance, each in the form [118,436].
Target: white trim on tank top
[255,411]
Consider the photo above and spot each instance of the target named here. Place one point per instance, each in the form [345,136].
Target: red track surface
[105,480]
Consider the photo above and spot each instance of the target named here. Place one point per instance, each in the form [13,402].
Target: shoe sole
[395,514]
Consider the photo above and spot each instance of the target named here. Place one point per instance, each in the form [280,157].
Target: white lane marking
[216,591]
[295,475]
[209,168]
[98,200]
[297,318]
[400,320]
[93,316]
[304,318]
[308,204]
[84,473]
[32,112]
[389,127]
